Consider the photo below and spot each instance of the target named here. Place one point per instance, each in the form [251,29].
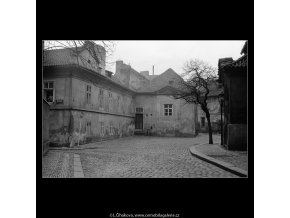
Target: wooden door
[139,121]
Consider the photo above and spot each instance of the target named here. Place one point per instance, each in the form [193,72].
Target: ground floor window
[88,130]
[168,108]
[111,128]
[202,121]
[102,129]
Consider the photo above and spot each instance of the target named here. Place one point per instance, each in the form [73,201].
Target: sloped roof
[224,61]
[132,70]
[167,90]
[245,48]
[59,57]
[161,81]
[241,62]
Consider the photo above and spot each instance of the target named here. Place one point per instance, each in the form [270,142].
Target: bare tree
[89,45]
[196,83]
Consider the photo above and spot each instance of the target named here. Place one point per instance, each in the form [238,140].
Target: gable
[169,77]
[167,90]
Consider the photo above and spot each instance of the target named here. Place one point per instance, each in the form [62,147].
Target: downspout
[71,116]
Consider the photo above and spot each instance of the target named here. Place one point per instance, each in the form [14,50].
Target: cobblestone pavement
[142,156]
[57,164]
[138,157]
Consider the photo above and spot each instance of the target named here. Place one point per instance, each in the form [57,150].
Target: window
[88,94]
[88,130]
[170,82]
[111,128]
[101,98]
[168,110]
[202,121]
[102,129]
[118,103]
[49,91]
[110,101]
[139,110]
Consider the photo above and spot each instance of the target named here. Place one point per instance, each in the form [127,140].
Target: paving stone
[78,169]
[147,157]
[78,175]
[134,157]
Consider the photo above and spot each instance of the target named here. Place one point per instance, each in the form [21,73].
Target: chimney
[145,73]
[119,65]
[153,71]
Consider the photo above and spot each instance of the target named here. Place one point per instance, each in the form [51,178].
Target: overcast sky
[142,55]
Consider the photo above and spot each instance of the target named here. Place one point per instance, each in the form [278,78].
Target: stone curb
[224,165]
[71,149]
[78,169]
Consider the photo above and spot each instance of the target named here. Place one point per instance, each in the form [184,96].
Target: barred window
[168,109]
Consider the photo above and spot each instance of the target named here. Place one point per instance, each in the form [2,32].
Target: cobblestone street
[135,157]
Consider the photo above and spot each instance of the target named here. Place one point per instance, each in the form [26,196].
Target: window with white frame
[168,110]
[102,129]
[88,94]
[48,88]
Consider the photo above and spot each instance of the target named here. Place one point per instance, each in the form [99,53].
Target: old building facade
[88,103]
[233,76]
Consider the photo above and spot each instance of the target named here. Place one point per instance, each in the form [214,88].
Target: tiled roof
[224,61]
[161,81]
[132,70]
[241,62]
[59,57]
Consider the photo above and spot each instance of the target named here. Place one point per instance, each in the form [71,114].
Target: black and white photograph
[145,109]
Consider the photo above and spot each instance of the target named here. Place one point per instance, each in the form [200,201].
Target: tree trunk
[209,128]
